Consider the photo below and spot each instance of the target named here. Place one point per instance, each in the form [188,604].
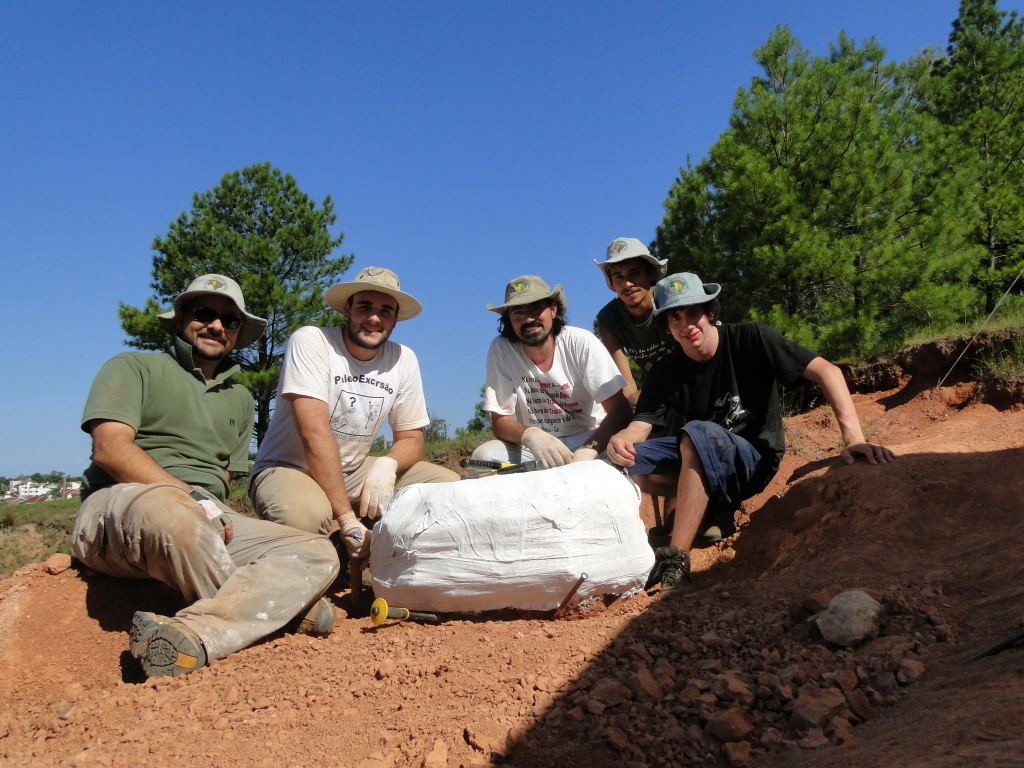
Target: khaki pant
[238,592]
[290,496]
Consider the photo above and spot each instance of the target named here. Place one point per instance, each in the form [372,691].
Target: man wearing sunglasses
[168,430]
[553,390]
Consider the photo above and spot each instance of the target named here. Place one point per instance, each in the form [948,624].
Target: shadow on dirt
[713,677]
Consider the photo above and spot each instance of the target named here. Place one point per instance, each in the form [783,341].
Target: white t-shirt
[564,401]
[358,395]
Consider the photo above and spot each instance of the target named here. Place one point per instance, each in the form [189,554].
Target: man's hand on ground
[875,454]
[547,449]
[378,485]
[621,451]
[584,454]
[355,535]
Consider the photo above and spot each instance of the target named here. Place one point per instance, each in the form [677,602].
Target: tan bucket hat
[527,289]
[216,285]
[625,248]
[374,279]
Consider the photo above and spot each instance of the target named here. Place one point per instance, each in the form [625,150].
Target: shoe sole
[171,652]
[319,620]
[143,624]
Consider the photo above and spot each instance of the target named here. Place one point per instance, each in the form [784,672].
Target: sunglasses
[206,315]
[530,310]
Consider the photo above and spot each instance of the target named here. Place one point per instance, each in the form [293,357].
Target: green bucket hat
[527,289]
[216,285]
[683,289]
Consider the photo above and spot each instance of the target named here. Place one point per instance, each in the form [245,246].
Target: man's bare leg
[691,495]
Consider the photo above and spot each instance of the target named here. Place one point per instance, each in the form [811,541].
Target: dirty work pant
[500,450]
[290,496]
[239,593]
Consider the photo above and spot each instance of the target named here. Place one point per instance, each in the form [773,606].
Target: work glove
[214,514]
[378,485]
[547,449]
[355,536]
[584,454]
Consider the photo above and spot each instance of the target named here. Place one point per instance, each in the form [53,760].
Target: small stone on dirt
[617,738]
[815,739]
[611,692]
[851,617]
[57,563]
[816,706]
[910,671]
[644,687]
[437,757]
[730,725]
[771,739]
[729,687]
[738,753]
[386,669]
[640,651]
[487,737]
[595,707]
[860,705]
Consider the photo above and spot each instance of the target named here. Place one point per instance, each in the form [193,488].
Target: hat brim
[338,295]
[558,294]
[251,329]
[660,265]
[689,301]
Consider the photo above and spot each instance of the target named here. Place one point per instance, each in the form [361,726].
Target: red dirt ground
[938,534]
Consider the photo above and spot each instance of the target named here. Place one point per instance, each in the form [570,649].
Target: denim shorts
[735,469]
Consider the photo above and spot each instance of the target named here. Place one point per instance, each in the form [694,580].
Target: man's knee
[292,498]
[168,518]
[498,450]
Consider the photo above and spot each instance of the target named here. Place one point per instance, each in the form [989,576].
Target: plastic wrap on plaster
[511,542]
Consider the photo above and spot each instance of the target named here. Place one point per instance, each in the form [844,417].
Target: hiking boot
[672,571]
[165,646]
[319,619]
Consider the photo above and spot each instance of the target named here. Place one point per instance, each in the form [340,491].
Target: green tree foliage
[258,228]
[481,421]
[825,208]
[978,94]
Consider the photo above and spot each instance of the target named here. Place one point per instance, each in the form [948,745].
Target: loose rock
[57,563]
[815,739]
[816,706]
[730,725]
[611,692]
[851,617]
[738,753]
[437,757]
[729,687]
[644,687]
[910,671]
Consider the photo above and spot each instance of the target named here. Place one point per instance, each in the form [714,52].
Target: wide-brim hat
[683,289]
[527,289]
[626,248]
[252,327]
[374,279]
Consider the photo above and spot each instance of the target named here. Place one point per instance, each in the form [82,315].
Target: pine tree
[258,228]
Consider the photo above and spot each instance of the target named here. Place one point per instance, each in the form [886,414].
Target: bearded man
[337,386]
[553,391]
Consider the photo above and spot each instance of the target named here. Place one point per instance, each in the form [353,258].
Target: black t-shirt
[738,388]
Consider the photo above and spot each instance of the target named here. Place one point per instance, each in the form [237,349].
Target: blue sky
[463,144]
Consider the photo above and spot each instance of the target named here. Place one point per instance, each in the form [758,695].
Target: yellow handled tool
[381,612]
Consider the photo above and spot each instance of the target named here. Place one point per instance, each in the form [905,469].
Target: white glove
[355,536]
[584,454]
[378,485]
[547,449]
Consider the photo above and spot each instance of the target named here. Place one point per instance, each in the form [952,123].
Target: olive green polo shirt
[192,429]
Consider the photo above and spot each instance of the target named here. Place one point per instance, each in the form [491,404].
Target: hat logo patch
[675,285]
[215,285]
[373,271]
[520,286]
[619,246]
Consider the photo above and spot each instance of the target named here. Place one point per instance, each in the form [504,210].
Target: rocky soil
[733,675]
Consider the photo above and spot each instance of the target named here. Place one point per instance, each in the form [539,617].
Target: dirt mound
[731,675]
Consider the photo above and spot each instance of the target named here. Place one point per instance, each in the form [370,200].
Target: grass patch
[1009,317]
[32,532]
[1005,364]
